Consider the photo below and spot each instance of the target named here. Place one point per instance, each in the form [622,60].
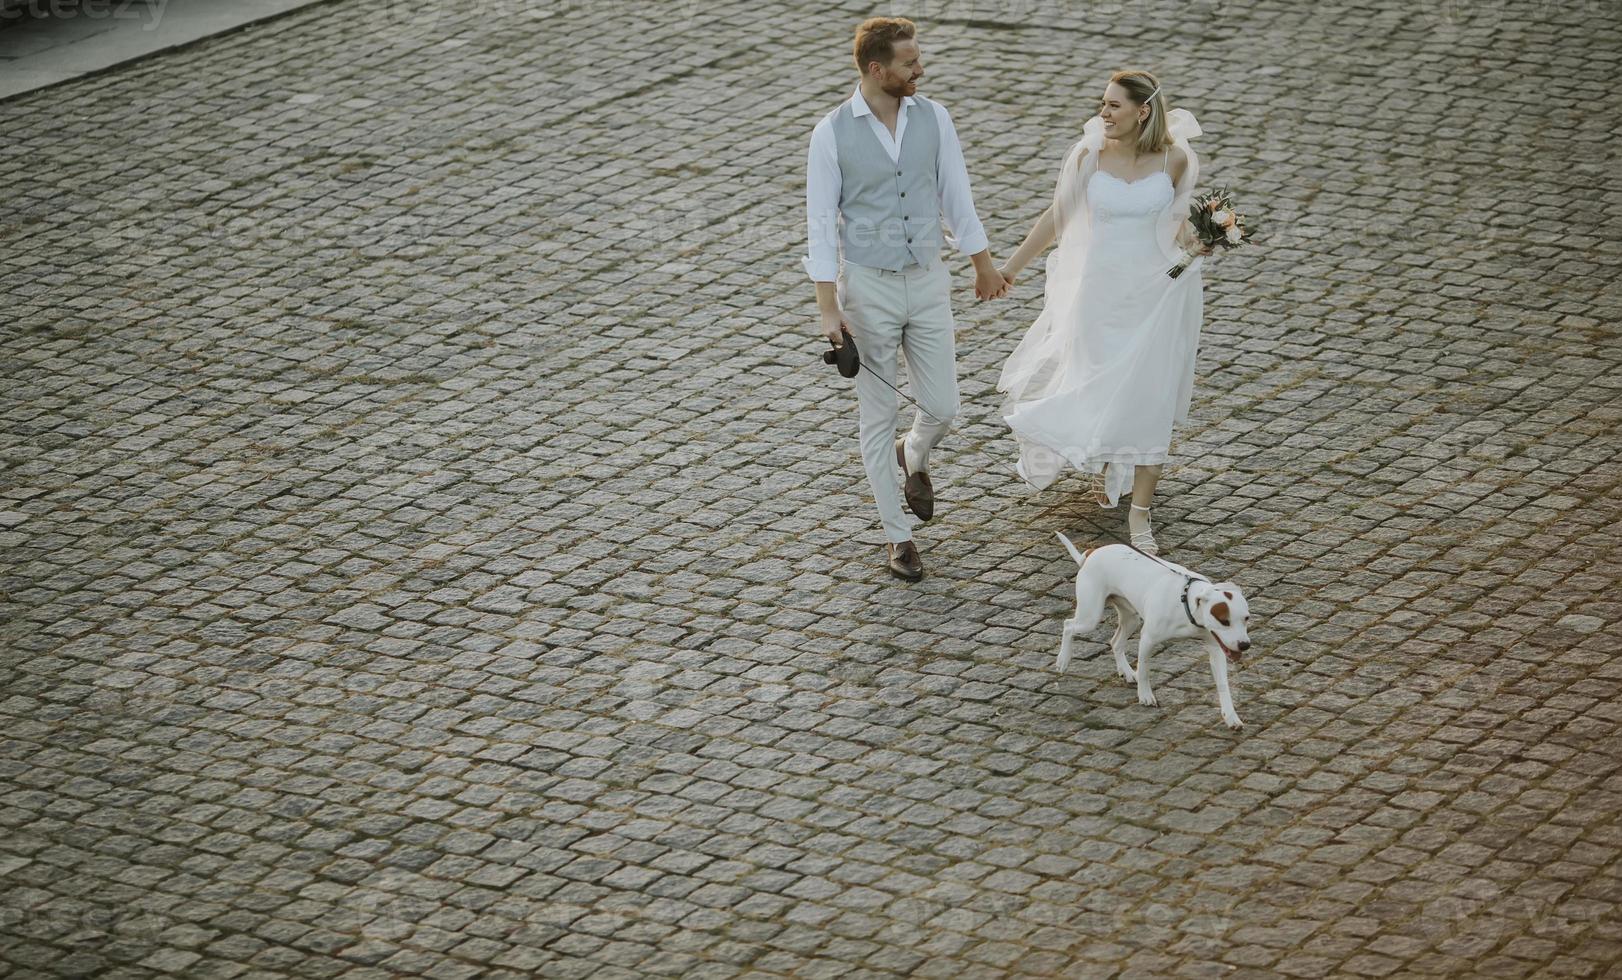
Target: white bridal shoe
[1144,540]
[1096,486]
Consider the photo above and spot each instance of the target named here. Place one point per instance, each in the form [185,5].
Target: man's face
[900,77]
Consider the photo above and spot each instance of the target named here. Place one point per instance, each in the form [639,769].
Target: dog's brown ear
[1227,593]
[1220,611]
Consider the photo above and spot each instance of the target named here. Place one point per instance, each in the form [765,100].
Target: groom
[883,170]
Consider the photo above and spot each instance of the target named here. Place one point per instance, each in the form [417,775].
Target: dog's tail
[1078,556]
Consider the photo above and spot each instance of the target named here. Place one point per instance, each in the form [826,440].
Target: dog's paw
[1146,696]
[1233,722]
[1130,675]
[1063,662]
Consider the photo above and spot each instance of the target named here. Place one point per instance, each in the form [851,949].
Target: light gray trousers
[888,312]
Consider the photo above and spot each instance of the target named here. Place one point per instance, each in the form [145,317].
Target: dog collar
[1188,580]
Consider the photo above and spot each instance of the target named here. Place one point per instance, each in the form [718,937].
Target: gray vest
[890,211]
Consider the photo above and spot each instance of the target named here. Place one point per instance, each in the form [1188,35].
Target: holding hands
[993,286]
[989,282]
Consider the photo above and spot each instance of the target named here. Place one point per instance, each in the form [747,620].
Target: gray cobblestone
[428,548]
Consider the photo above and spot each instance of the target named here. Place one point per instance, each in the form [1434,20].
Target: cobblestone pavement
[429,547]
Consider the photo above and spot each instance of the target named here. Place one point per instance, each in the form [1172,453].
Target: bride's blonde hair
[1142,88]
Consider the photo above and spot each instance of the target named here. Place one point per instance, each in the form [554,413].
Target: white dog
[1168,601]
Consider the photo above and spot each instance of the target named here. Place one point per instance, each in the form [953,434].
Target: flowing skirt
[1107,368]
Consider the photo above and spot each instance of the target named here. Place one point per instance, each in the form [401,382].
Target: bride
[1108,366]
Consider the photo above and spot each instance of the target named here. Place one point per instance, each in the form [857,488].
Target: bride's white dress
[1108,367]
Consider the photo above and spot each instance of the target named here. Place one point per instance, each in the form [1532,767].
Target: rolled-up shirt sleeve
[822,185]
[957,201]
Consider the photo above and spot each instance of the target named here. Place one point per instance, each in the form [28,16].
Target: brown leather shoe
[905,563]
[916,487]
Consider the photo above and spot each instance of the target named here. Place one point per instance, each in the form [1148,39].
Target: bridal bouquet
[1215,223]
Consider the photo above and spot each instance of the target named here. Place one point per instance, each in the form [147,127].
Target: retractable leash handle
[844,357]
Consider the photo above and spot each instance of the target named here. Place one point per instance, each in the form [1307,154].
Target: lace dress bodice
[1124,214]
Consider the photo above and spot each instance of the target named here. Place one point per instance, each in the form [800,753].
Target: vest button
[906,217]
[909,241]
[903,193]
[898,173]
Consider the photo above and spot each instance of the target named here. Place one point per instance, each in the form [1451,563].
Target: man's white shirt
[822,185]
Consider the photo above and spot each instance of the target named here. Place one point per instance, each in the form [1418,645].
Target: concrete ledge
[47,42]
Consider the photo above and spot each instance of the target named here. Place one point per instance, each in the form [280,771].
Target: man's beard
[898,89]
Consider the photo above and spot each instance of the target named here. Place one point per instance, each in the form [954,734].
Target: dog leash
[1187,577]
[887,384]
[980,445]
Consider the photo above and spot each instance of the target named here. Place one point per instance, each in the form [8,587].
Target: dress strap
[1163,157]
